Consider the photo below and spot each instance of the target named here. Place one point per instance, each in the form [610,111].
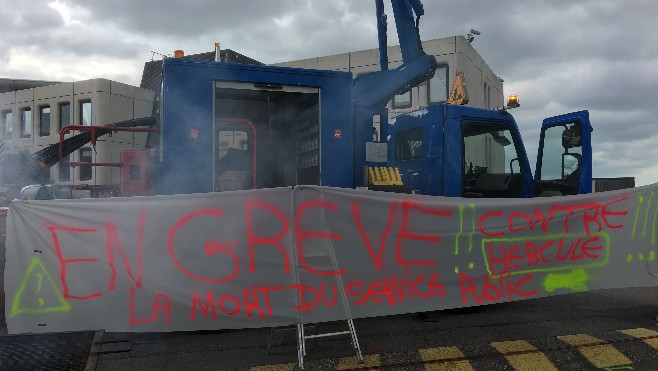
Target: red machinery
[134,164]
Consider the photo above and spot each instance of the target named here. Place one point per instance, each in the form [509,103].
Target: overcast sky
[559,56]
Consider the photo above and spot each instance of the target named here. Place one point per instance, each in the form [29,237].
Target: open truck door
[564,159]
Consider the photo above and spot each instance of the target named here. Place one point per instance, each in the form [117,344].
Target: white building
[31,119]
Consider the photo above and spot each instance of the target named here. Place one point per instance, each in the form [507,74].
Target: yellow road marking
[600,355]
[530,358]
[444,353]
[519,353]
[348,363]
[281,367]
[643,333]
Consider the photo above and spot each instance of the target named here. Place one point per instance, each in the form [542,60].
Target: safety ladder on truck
[301,335]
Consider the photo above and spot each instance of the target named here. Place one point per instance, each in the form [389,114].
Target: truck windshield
[490,164]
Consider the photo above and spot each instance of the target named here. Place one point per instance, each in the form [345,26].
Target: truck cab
[459,151]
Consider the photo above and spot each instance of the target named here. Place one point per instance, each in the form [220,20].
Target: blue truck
[228,126]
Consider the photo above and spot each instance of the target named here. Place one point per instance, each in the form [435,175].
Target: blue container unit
[232,126]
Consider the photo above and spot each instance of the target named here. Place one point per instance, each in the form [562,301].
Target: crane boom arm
[377,88]
[407,28]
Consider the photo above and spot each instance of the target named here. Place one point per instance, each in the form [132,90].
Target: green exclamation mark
[40,279]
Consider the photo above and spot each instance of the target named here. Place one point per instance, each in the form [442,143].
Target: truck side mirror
[571,137]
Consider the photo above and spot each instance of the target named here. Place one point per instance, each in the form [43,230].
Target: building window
[64,115]
[26,122]
[491,166]
[487,96]
[437,89]
[402,100]
[44,114]
[85,170]
[7,125]
[65,170]
[85,113]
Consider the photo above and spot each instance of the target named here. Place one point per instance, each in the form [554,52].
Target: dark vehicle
[37,192]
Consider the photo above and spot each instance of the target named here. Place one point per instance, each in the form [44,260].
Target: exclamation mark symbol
[40,279]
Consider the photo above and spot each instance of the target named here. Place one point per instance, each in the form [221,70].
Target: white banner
[310,254]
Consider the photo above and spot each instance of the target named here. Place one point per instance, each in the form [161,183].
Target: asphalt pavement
[554,326]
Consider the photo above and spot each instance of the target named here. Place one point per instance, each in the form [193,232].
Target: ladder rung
[326,335]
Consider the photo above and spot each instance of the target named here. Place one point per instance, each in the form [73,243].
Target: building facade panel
[121,107]
[439,47]
[122,90]
[143,103]
[143,95]
[368,58]
[25,96]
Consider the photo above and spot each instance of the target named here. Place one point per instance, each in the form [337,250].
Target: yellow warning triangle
[458,93]
[45,298]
